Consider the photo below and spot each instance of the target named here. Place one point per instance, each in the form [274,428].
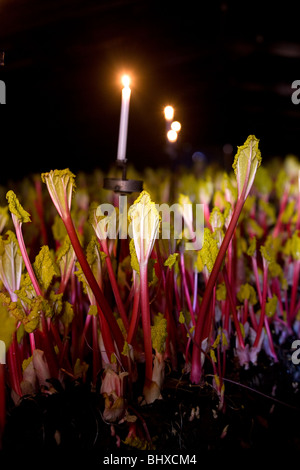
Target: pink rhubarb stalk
[246,162]
[144,230]
[60,184]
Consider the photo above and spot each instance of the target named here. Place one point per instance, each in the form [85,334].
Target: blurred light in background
[172,135]
[169,113]
[176,126]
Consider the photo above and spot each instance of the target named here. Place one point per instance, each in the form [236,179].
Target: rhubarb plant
[145,221]
[246,162]
[81,303]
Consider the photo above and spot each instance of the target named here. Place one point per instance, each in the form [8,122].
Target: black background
[227,68]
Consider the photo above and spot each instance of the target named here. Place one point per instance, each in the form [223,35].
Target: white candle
[124,118]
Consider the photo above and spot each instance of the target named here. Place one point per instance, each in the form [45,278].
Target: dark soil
[261,413]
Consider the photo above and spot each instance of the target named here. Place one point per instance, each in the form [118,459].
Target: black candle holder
[123,185]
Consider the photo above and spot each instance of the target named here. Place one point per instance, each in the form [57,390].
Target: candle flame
[172,136]
[169,113]
[176,126]
[126,81]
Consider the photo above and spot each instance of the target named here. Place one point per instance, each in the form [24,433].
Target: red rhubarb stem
[114,284]
[100,298]
[196,357]
[263,305]
[186,289]
[135,312]
[146,323]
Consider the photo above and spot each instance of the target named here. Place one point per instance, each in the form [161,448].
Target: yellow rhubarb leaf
[295,245]
[133,257]
[247,292]
[216,219]
[11,263]
[271,306]
[68,313]
[221,292]
[245,165]
[61,185]
[8,326]
[144,227]
[45,268]
[159,333]
[209,250]
[16,208]
[252,247]
[171,260]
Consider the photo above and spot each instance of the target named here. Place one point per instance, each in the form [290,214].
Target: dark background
[227,68]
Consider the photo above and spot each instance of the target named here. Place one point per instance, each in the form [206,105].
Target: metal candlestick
[123,185]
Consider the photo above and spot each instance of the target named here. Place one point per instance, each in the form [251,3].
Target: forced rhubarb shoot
[61,184]
[246,162]
[145,221]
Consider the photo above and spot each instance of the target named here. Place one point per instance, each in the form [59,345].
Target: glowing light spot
[126,81]
[176,126]
[172,135]
[169,113]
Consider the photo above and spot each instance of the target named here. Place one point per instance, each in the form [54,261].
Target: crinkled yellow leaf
[45,267]
[252,247]
[217,341]
[221,292]
[145,222]
[65,257]
[16,208]
[126,349]
[288,212]
[31,321]
[181,318]
[271,306]
[209,250]
[133,257]
[159,333]
[7,326]
[245,165]
[247,292]
[224,339]
[171,260]
[295,245]
[212,355]
[26,363]
[60,184]
[216,219]
[15,308]
[67,313]
[199,263]
[58,229]
[93,310]
[267,254]
[11,262]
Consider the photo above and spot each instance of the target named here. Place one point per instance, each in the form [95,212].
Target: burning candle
[124,118]
[169,113]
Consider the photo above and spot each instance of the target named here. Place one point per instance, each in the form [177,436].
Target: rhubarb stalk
[246,162]
[145,221]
